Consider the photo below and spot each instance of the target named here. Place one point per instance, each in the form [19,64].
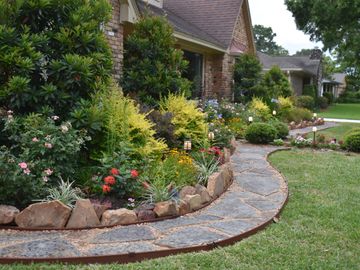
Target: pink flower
[27,171]
[23,165]
[55,117]
[48,171]
[45,179]
[48,145]
[134,173]
[35,139]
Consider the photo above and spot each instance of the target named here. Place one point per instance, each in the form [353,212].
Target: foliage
[301,141]
[222,133]
[237,127]
[310,90]
[264,40]
[177,170]
[247,75]
[285,105]
[155,193]
[18,185]
[297,115]
[206,164]
[260,109]
[65,193]
[49,148]
[188,120]
[306,102]
[152,65]
[222,110]
[275,84]
[260,133]
[118,175]
[278,142]
[352,140]
[322,102]
[330,97]
[124,124]
[282,129]
[53,53]
[332,23]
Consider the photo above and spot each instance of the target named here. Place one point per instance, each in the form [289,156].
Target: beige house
[212,33]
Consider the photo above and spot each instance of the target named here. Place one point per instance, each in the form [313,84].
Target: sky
[274,13]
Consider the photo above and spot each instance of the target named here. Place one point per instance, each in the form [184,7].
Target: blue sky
[273,13]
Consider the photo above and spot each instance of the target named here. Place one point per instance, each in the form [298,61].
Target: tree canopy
[264,39]
[336,23]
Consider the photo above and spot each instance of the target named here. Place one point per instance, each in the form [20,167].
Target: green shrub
[152,64]
[275,84]
[329,96]
[260,109]
[282,129]
[306,102]
[285,105]
[310,90]
[222,134]
[53,53]
[297,115]
[188,120]
[260,133]
[352,140]
[237,127]
[322,102]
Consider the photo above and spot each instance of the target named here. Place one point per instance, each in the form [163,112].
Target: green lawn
[319,228]
[337,132]
[342,111]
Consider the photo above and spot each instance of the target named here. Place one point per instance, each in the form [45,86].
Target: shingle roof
[303,63]
[179,24]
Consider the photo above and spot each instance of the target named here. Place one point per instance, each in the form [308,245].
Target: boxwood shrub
[282,129]
[306,102]
[260,133]
[352,140]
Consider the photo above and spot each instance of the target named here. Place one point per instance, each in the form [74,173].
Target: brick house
[211,33]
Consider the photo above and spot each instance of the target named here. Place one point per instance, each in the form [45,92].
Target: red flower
[109,180]
[134,173]
[114,171]
[106,188]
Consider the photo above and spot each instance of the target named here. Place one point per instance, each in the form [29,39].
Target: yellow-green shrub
[285,104]
[125,124]
[260,109]
[188,120]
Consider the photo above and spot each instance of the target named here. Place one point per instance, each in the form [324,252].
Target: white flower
[45,179]
[55,117]
[64,129]
[48,171]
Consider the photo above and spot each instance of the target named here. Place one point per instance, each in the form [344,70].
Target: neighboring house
[212,33]
[301,70]
[336,85]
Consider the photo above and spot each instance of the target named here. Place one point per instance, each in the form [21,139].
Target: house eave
[188,38]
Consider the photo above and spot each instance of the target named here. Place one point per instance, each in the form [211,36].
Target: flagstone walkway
[256,196]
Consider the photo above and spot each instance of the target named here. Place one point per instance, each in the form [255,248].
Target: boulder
[118,217]
[183,208]
[227,155]
[100,209]
[8,213]
[83,215]
[145,215]
[216,185]
[163,209]
[204,194]
[194,201]
[233,144]
[227,174]
[52,214]
[187,190]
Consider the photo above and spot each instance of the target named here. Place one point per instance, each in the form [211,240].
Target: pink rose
[27,171]
[48,171]
[48,145]
[35,139]
[23,165]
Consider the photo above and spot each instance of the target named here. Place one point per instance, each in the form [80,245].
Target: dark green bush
[53,53]
[310,90]
[260,133]
[352,140]
[322,102]
[329,96]
[152,65]
[306,102]
[282,129]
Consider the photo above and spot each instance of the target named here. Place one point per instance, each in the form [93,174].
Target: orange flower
[134,173]
[109,180]
[114,171]
[106,188]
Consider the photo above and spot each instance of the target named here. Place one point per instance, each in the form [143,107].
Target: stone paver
[255,197]
[300,131]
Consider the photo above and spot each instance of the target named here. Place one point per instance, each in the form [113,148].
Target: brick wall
[115,32]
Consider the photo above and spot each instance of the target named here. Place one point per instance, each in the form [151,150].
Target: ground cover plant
[342,111]
[317,228]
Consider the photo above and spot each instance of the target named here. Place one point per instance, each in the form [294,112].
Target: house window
[194,72]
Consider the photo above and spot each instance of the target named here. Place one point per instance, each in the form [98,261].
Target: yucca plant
[159,193]
[206,165]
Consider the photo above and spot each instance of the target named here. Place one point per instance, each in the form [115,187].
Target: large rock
[216,185]
[145,215]
[100,209]
[118,217]
[227,155]
[187,190]
[83,215]
[204,194]
[8,213]
[194,201]
[163,209]
[52,214]
[227,174]
[183,208]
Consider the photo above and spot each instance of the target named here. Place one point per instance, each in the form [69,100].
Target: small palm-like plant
[158,193]
[206,165]
[65,193]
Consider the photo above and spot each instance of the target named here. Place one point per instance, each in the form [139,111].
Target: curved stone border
[256,196]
